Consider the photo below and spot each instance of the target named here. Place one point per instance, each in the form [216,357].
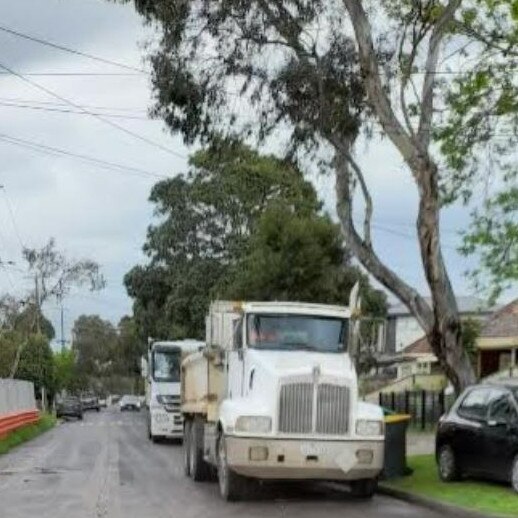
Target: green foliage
[290,257]
[470,333]
[103,358]
[494,237]
[94,341]
[206,220]
[37,363]
[485,497]
[67,375]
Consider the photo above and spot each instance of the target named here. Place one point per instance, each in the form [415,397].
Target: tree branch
[375,91]
[366,196]
[427,96]
[365,254]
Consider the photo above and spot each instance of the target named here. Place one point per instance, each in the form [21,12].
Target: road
[106,467]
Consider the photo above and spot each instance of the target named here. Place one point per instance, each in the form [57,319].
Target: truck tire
[364,488]
[187,447]
[198,468]
[232,487]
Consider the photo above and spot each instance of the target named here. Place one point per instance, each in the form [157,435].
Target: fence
[425,407]
[16,396]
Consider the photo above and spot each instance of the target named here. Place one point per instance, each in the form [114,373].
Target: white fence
[16,396]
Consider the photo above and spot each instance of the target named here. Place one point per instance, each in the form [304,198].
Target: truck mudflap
[285,459]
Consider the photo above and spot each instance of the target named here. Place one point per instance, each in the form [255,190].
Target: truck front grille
[296,408]
[306,408]
[332,410]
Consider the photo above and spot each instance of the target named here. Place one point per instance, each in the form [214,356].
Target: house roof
[466,304]
[421,346]
[503,323]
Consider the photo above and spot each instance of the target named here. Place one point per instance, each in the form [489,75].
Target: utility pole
[63,341]
[37,302]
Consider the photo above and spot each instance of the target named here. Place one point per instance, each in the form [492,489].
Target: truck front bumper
[165,424]
[285,459]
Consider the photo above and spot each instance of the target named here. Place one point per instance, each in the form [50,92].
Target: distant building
[498,342]
[403,329]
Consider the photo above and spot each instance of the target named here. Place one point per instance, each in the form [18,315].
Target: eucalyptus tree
[325,71]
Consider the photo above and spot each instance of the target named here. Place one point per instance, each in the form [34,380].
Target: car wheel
[232,487]
[514,474]
[364,488]
[187,448]
[447,464]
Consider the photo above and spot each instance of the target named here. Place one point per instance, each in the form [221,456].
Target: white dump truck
[161,370]
[274,395]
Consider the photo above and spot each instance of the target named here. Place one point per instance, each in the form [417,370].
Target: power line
[76,112]
[92,114]
[70,50]
[79,74]
[56,103]
[87,158]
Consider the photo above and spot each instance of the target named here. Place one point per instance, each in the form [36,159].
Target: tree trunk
[445,337]
[441,325]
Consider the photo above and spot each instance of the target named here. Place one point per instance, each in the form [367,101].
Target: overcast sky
[102,214]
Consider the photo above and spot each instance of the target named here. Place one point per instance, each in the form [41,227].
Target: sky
[100,213]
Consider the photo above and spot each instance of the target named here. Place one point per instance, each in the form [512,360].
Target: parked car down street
[90,402]
[129,402]
[69,407]
[479,435]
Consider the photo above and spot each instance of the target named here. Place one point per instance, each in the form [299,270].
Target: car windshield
[166,366]
[297,332]
[130,399]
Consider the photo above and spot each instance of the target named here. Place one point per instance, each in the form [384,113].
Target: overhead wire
[70,50]
[87,158]
[92,114]
[79,74]
[75,112]
[58,103]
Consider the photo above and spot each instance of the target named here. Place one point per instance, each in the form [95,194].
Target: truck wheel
[187,448]
[232,487]
[364,488]
[198,468]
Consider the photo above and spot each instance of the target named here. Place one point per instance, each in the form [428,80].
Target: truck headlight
[251,423]
[367,428]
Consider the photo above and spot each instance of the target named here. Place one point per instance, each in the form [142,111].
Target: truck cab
[161,369]
[275,396]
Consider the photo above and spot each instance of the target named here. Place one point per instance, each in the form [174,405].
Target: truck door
[235,363]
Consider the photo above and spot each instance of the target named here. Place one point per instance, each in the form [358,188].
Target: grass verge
[485,497]
[46,422]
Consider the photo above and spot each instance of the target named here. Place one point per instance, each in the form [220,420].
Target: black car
[69,407]
[479,435]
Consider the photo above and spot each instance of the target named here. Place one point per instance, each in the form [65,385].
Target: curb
[434,505]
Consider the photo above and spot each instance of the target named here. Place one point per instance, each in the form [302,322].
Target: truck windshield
[297,332]
[166,366]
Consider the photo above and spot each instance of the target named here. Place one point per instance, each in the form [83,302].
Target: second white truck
[161,370]
[274,395]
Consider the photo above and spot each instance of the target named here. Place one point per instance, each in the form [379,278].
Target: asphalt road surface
[105,466]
